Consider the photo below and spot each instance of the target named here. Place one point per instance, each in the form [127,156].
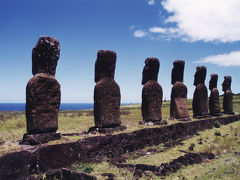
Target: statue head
[45,56]
[150,70]
[200,75]
[213,81]
[177,71]
[105,64]
[226,85]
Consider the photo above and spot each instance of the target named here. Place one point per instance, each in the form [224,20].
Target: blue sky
[197,31]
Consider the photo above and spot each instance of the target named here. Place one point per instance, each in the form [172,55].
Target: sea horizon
[63,106]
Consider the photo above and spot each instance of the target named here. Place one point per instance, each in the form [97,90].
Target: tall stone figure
[151,92]
[214,106]
[178,106]
[228,95]
[107,92]
[43,93]
[200,96]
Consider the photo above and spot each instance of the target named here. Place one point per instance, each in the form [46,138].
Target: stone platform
[35,139]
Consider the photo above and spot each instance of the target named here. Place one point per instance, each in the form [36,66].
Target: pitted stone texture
[151,92]
[35,139]
[152,102]
[43,97]
[178,106]
[177,71]
[214,106]
[200,96]
[43,93]
[105,65]
[228,95]
[107,92]
[150,70]
[181,109]
[45,56]
[107,103]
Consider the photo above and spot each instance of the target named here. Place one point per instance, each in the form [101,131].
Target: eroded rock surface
[200,96]
[43,93]
[151,92]
[214,106]
[107,92]
[178,106]
[228,95]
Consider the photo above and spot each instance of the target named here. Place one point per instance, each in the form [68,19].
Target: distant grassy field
[13,126]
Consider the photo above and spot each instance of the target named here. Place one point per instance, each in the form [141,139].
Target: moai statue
[178,106]
[200,96]
[107,92]
[214,106]
[228,95]
[151,92]
[43,93]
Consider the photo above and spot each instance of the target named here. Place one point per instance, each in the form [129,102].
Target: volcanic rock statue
[200,96]
[228,96]
[43,93]
[107,92]
[151,92]
[178,106]
[214,106]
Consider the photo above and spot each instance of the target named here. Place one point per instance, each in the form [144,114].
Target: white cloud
[228,59]
[151,2]
[199,20]
[157,30]
[140,33]
[206,20]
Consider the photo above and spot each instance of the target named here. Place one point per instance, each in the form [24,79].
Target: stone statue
[151,92]
[214,106]
[178,106]
[200,96]
[107,92]
[43,93]
[228,95]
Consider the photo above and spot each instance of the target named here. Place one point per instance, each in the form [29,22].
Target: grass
[13,126]
[82,167]
[226,165]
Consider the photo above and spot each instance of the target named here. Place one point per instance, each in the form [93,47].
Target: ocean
[63,106]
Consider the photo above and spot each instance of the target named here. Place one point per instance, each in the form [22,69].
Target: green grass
[13,126]
[226,164]
[82,167]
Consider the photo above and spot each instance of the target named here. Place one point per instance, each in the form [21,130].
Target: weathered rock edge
[167,168]
[95,149]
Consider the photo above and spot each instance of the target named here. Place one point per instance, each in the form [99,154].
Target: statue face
[97,71]
[45,56]
[177,71]
[200,75]
[105,64]
[144,74]
[213,81]
[196,78]
[150,70]
[226,85]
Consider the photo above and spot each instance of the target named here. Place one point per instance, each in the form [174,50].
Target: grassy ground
[13,126]
[226,165]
